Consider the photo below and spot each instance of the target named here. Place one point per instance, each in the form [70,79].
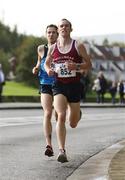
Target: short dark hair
[64,19]
[52,25]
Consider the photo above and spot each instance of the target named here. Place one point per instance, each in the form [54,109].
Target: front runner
[69,56]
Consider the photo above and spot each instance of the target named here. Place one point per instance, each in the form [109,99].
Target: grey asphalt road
[22,142]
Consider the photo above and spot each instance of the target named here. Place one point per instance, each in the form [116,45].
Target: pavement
[108,164]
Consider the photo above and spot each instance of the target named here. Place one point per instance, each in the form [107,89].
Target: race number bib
[63,72]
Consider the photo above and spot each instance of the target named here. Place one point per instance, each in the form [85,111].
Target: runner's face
[51,34]
[64,28]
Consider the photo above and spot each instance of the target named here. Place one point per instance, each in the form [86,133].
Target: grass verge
[12,88]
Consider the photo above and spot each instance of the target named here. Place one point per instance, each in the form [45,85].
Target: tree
[27,58]
[105,42]
[4,61]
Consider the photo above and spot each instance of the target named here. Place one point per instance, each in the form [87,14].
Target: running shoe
[62,156]
[49,151]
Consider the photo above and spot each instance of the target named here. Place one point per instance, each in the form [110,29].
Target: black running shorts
[72,91]
[45,88]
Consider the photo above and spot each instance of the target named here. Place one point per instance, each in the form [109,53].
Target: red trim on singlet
[72,54]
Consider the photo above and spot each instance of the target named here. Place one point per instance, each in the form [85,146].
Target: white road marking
[26,120]
[19,121]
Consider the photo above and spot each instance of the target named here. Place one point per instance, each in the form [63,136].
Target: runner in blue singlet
[46,86]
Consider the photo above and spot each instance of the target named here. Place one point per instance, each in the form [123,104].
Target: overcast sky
[88,17]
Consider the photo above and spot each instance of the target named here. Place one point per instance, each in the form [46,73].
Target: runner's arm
[86,64]
[40,52]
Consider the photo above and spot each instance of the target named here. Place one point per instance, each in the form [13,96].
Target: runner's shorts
[46,89]
[72,91]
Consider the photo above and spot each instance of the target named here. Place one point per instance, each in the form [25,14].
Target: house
[109,59]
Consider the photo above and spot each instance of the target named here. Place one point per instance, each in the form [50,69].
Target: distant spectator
[121,91]
[100,86]
[84,86]
[2,82]
[113,91]
[12,62]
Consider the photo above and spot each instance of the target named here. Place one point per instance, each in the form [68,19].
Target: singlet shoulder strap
[74,41]
[45,50]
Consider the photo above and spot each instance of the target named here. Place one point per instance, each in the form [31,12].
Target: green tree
[105,42]
[27,58]
[4,61]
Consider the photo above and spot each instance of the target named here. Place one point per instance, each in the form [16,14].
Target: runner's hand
[50,72]
[35,70]
[71,65]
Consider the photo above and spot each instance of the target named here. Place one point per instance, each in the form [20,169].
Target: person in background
[84,86]
[121,91]
[113,91]
[100,86]
[2,81]
[46,86]
[69,57]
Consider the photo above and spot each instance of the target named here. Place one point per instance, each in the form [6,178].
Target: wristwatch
[78,67]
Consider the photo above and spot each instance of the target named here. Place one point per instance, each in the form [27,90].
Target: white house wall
[112,72]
